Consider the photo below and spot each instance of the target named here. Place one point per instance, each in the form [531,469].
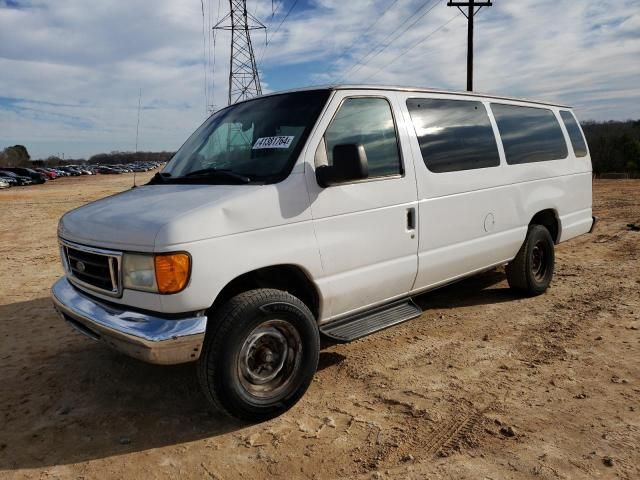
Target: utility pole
[244,81]
[471,12]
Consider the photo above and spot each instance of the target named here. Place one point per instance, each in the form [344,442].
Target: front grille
[93,268]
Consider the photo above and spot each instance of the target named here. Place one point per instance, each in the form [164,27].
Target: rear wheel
[532,269]
[259,355]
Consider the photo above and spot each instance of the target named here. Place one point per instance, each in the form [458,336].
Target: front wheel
[532,269]
[259,355]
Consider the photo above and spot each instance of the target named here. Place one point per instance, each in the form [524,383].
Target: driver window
[368,122]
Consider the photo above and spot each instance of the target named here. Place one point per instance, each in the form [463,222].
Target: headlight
[161,273]
[138,272]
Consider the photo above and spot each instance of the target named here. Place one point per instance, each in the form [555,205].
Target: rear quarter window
[453,135]
[529,134]
[575,134]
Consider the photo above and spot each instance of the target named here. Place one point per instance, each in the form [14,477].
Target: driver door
[366,229]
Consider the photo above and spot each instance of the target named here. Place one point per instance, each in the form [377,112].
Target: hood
[153,217]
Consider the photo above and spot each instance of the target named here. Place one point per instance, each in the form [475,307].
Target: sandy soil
[483,385]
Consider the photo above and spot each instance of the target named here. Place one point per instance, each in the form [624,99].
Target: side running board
[363,324]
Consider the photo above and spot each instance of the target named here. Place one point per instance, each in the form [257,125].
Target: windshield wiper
[222,172]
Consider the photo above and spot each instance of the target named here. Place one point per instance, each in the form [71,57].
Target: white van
[320,210]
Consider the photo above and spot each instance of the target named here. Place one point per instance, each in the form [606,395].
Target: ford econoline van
[323,210]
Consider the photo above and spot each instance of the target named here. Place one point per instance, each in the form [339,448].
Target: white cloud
[582,53]
[70,70]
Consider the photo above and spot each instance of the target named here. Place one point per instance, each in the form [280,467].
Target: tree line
[130,157]
[18,156]
[614,148]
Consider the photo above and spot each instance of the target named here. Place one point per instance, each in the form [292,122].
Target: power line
[360,63]
[255,7]
[384,12]
[420,42]
[204,59]
[416,20]
[209,25]
[293,5]
[269,38]
[275,12]
[428,5]
[211,105]
[266,30]
[370,28]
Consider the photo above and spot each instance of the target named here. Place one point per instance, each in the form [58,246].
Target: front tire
[530,273]
[259,355]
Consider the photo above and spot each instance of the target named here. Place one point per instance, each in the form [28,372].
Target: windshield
[257,141]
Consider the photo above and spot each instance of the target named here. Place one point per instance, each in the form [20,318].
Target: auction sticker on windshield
[282,141]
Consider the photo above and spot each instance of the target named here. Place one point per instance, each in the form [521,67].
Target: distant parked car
[20,180]
[71,171]
[48,173]
[4,184]
[106,170]
[79,169]
[10,180]
[36,177]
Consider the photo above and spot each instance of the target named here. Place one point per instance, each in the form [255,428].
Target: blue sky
[71,70]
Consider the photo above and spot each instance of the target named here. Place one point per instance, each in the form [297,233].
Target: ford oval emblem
[81,267]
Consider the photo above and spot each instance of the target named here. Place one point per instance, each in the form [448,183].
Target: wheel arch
[287,277]
[549,219]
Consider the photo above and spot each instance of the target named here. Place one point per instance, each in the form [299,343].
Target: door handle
[411,219]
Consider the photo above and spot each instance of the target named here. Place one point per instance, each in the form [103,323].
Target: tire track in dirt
[449,436]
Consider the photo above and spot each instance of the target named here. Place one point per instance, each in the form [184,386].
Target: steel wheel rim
[269,359]
[539,261]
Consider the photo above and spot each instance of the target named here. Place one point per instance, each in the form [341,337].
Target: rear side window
[368,122]
[529,134]
[575,134]
[453,134]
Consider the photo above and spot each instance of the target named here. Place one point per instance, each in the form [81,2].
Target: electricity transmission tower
[471,12]
[244,81]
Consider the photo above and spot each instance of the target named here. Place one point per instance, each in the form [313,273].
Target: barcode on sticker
[282,141]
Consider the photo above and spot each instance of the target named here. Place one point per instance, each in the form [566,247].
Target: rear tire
[259,355]
[530,273]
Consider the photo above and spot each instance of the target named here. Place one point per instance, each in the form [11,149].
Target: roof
[415,89]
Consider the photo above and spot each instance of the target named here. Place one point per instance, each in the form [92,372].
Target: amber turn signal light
[172,272]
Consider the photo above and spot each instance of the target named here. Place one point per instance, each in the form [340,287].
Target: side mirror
[349,163]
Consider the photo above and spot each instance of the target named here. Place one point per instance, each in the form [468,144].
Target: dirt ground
[483,385]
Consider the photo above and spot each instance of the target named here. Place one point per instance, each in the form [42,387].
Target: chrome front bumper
[150,338]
